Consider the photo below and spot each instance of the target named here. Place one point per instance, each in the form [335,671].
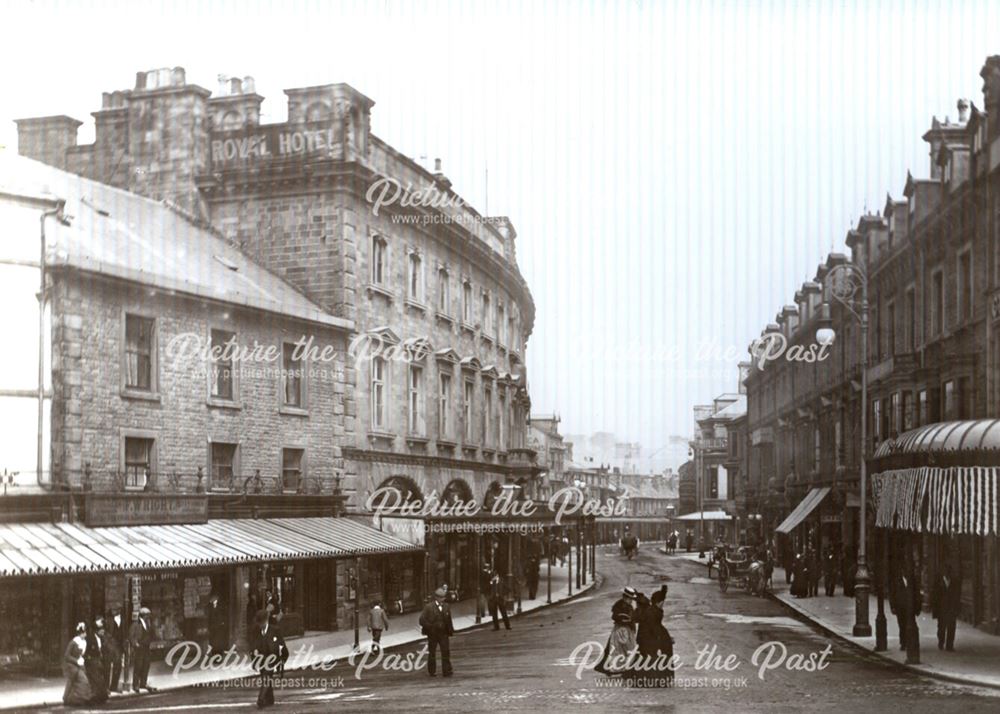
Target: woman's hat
[441,592]
[81,628]
[660,595]
[144,611]
[629,592]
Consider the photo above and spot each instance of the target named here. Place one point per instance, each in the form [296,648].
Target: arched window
[457,491]
[317,111]
[407,488]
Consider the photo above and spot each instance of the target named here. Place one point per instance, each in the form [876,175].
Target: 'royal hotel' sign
[261,144]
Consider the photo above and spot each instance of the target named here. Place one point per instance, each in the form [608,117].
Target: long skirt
[78,691]
[620,647]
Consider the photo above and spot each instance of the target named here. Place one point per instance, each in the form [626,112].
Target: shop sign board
[144,509]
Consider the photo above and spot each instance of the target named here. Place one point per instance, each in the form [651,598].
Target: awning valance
[802,511]
[67,548]
[953,500]
[707,516]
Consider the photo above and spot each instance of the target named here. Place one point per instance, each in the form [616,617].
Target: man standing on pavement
[378,620]
[498,601]
[269,653]
[945,600]
[436,625]
[141,636]
[115,629]
[532,576]
[218,629]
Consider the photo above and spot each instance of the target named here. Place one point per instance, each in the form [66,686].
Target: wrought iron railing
[144,480]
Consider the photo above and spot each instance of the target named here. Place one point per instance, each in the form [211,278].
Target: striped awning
[67,548]
[802,511]
[953,500]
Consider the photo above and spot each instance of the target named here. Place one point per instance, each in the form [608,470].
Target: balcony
[522,458]
[711,444]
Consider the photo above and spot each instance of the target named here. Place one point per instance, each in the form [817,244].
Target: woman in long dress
[77,690]
[95,662]
[656,646]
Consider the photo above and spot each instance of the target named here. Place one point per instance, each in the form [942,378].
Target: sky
[674,170]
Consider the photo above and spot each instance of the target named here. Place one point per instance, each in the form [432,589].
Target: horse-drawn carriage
[742,568]
[629,545]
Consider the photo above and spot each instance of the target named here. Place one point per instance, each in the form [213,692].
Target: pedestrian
[830,571]
[77,691]
[437,627]
[800,587]
[269,655]
[95,661]
[498,601]
[848,570]
[141,637]
[378,620]
[655,644]
[689,541]
[946,599]
[814,571]
[621,642]
[905,597]
[115,629]
[218,629]
[531,575]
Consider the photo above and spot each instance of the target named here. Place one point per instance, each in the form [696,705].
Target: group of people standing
[804,570]
[639,647]
[94,658]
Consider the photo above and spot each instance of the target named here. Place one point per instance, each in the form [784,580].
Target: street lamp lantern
[849,287]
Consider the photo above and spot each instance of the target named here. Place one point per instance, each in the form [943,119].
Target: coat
[435,622]
[140,637]
[623,613]
[946,596]
[378,619]
[218,627]
[114,636]
[77,689]
[269,650]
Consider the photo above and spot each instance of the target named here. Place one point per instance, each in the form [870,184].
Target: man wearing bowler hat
[436,625]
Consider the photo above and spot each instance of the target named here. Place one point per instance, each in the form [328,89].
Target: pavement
[545,663]
[975,661]
[21,692]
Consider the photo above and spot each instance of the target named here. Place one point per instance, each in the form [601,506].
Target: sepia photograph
[500,356]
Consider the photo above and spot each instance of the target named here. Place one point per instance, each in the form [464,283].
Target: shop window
[138,462]
[223,378]
[292,377]
[140,353]
[291,469]
[223,463]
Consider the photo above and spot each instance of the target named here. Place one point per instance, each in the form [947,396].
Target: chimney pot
[248,85]
[235,86]
[437,165]
[963,110]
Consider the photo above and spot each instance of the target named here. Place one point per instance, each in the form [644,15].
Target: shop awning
[953,500]
[705,516]
[802,511]
[67,548]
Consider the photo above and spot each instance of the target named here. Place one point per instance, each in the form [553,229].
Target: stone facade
[297,199]
[93,413]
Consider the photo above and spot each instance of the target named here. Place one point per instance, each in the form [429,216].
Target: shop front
[935,491]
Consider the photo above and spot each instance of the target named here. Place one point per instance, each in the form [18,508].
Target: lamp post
[847,280]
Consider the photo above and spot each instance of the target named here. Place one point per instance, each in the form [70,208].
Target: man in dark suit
[436,625]
[498,601]
[141,637]
[531,576]
[218,629]
[269,655]
[114,626]
[946,598]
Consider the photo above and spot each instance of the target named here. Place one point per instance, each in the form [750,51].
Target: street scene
[467,356]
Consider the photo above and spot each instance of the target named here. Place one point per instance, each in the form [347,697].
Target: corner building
[436,397]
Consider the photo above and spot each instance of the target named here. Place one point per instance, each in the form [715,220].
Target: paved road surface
[530,669]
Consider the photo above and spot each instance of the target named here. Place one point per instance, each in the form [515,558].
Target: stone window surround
[303,464]
[211,399]
[301,409]
[237,455]
[153,393]
[127,433]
